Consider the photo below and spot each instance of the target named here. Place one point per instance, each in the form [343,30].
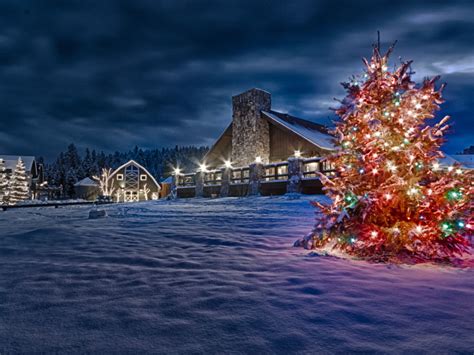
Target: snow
[213,276]
[86,182]
[320,139]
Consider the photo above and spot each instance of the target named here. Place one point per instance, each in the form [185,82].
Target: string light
[203,167]
[391,167]
[402,207]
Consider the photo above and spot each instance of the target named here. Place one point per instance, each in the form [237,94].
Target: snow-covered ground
[213,276]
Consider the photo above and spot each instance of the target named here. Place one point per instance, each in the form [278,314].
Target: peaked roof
[168,180]
[466,160]
[133,162]
[12,160]
[86,182]
[312,132]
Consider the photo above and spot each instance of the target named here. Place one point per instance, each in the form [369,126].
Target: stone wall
[250,132]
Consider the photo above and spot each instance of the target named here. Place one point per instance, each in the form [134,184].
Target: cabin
[34,170]
[132,182]
[257,132]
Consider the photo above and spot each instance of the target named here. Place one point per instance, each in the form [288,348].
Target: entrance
[131,196]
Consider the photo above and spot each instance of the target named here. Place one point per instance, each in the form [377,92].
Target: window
[120,177]
[143,177]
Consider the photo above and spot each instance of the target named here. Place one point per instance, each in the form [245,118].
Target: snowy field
[213,276]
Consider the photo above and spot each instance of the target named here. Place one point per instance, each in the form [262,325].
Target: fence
[295,175]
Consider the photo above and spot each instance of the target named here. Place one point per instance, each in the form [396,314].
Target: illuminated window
[120,177]
[143,177]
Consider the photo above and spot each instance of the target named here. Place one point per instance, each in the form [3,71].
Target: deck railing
[186,180]
[240,175]
[213,177]
[276,171]
[249,178]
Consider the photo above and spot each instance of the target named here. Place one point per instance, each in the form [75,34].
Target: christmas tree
[3,183]
[391,199]
[19,190]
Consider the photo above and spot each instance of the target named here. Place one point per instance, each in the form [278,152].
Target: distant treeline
[70,166]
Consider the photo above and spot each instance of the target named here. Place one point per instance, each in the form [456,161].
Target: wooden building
[132,182]
[262,151]
[257,132]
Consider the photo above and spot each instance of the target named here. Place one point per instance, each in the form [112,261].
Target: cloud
[114,74]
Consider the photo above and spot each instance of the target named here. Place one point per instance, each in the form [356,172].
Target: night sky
[114,74]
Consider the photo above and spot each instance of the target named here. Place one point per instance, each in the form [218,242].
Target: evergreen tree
[19,189]
[391,200]
[4,193]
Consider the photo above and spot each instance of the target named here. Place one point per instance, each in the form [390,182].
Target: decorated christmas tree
[391,198]
[19,190]
[3,183]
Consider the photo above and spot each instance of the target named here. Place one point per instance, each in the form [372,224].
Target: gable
[121,169]
[221,150]
[284,143]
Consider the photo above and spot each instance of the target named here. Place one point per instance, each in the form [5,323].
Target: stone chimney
[250,132]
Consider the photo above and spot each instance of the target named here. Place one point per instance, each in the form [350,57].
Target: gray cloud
[114,74]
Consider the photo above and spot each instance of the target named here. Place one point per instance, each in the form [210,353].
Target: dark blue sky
[114,74]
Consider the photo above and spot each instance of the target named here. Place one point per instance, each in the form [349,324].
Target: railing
[276,171]
[186,180]
[240,175]
[311,168]
[213,177]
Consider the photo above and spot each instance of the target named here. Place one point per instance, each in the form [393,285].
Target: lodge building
[261,151]
[258,131]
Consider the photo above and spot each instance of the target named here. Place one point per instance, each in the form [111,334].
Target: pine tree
[4,193]
[19,189]
[391,200]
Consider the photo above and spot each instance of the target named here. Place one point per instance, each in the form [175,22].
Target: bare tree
[146,191]
[103,181]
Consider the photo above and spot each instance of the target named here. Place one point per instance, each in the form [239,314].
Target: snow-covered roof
[12,160]
[466,160]
[86,182]
[168,180]
[311,132]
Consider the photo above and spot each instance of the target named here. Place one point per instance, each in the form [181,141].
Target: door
[132,174]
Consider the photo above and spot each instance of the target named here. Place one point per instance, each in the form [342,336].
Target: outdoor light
[177,171]
[258,159]
[297,153]
[228,164]
[203,167]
